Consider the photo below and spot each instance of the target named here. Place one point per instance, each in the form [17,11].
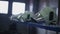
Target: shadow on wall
[4,23]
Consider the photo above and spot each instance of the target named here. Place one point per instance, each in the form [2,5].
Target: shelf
[47,27]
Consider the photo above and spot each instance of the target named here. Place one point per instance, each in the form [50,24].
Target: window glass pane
[18,8]
[4,7]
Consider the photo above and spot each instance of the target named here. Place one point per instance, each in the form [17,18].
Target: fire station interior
[29,17]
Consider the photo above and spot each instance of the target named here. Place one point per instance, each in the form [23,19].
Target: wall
[21,28]
[4,22]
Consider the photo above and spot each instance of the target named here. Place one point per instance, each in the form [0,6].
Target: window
[18,8]
[4,7]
